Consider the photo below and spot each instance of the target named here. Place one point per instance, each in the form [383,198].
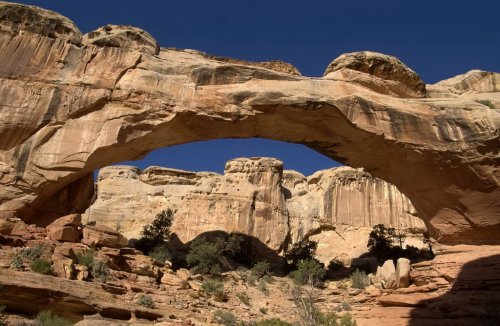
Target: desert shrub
[310,272]
[27,254]
[380,240]
[41,266]
[156,233]
[99,270]
[214,288]
[359,279]
[244,298]
[225,318]
[91,223]
[326,318]
[263,286]
[347,320]
[488,103]
[146,301]
[160,253]
[302,250]
[46,318]
[85,257]
[261,269]
[272,322]
[263,310]
[209,258]
[203,256]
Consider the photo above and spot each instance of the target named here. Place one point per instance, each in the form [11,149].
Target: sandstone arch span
[73,103]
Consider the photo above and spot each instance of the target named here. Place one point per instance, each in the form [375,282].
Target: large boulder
[65,229]
[403,267]
[102,236]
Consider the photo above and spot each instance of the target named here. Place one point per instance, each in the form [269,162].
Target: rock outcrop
[71,104]
[276,208]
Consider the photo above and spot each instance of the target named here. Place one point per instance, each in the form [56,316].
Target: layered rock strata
[254,196]
[72,103]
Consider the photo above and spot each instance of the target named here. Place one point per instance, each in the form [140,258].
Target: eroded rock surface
[254,196]
[69,107]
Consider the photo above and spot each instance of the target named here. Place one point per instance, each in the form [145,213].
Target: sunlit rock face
[255,197]
[73,103]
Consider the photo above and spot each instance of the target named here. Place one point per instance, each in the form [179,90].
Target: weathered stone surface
[65,228]
[336,207]
[386,275]
[403,81]
[132,102]
[403,273]
[102,236]
[171,279]
[120,36]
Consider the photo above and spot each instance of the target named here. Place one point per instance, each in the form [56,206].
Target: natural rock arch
[72,104]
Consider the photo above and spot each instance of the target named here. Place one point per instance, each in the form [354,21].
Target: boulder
[171,279]
[386,274]
[65,228]
[102,236]
[403,273]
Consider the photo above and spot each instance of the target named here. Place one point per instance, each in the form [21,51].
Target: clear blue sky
[436,38]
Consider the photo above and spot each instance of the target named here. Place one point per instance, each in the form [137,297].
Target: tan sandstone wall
[336,207]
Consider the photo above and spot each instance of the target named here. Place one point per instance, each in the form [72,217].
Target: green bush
[214,288]
[204,257]
[263,287]
[303,250]
[346,306]
[41,266]
[225,318]
[263,310]
[46,318]
[261,269]
[86,257]
[156,233]
[27,254]
[347,320]
[272,322]
[359,279]
[310,272]
[99,271]
[160,253]
[146,301]
[244,298]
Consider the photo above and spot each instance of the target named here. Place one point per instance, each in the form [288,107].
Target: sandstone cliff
[73,103]
[256,197]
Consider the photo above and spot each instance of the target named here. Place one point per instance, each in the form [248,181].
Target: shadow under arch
[473,299]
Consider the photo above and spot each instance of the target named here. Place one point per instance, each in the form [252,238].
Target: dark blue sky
[436,38]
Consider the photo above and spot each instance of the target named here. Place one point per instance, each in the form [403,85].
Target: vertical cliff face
[336,207]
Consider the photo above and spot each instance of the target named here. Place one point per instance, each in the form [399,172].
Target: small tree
[380,240]
[302,250]
[310,272]
[156,233]
[204,257]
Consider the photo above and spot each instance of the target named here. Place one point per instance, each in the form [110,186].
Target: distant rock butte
[73,103]
[336,207]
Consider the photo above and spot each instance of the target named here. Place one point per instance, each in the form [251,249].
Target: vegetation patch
[488,103]
[359,279]
[146,301]
[41,266]
[47,318]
